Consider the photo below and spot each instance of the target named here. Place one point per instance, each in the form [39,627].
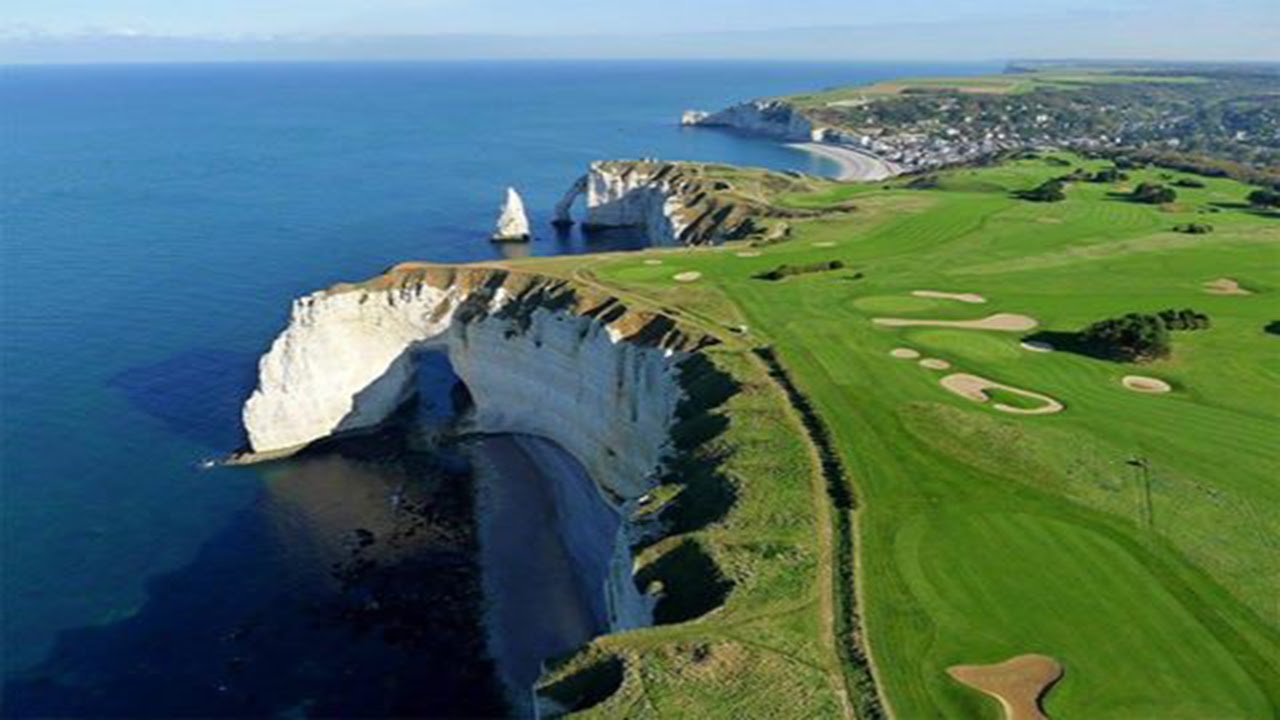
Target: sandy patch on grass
[934,364]
[687,277]
[1036,346]
[652,262]
[748,253]
[974,387]
[903,353]
[1007,322]
[974,298]
[1144,384]
[1018,683]
[1225,286]
[824,244]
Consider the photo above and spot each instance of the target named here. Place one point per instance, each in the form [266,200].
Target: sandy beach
[854,164]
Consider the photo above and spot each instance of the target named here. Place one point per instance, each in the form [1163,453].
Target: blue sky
[926,29]
[189,17]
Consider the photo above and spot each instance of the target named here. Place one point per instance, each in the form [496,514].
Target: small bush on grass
[785,271]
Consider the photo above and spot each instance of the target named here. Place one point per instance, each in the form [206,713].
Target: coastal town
[924,124]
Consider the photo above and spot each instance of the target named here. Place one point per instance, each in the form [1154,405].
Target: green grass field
[983,535]
[1002,84]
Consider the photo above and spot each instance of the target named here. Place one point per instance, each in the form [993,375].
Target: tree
[1132,337]
[1137,337]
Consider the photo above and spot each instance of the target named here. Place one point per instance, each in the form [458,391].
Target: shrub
[1153,194]
[1193,228]
[924,182]
[1048,191]
[1184,319]
[1264,198]
[1188,183]
[784,271]
[1108,175]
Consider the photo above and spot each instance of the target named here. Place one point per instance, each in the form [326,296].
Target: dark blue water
[157,220]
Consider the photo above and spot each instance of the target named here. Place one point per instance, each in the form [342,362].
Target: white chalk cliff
[538,356]
[671,203]
[513,223]
[770,118]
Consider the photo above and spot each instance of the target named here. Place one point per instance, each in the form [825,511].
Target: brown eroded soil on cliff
[1018,683]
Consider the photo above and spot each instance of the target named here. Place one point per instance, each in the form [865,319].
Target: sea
[155,223]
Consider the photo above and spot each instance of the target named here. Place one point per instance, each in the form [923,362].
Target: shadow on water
[196,394]
[349,588]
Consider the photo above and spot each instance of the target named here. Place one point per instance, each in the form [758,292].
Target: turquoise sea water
[156,223]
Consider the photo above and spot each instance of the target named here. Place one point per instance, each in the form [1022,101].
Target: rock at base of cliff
[693,117]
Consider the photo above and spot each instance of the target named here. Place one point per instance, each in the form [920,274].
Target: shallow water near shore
[158,220]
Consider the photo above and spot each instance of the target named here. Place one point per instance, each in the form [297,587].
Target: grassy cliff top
[1130,536]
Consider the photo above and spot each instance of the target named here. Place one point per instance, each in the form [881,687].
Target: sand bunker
[690,276]
[1018,683]
[748,253]
[934,364]
[1144,384]
[973,298]
[1007,322]
[904,353]
[1225,286]
[973,387]
[652,262]
[1036,346]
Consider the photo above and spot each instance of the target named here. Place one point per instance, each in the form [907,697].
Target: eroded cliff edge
[539,356]
[671,203]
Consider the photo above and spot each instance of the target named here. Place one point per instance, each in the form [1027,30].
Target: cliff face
[673,203]
[770,118]
[539,357]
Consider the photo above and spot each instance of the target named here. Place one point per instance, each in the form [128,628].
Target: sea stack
[513,224]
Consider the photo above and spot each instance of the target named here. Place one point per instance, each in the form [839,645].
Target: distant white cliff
[770,118]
